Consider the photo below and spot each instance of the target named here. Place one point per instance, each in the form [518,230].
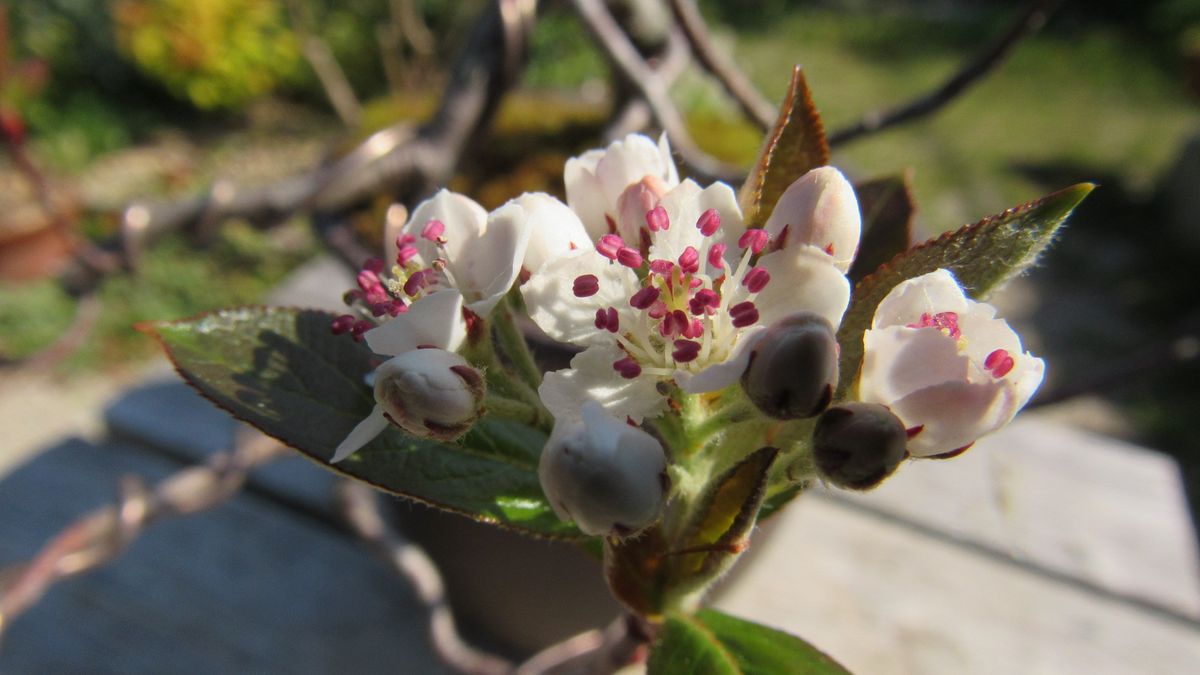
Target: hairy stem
[512,341]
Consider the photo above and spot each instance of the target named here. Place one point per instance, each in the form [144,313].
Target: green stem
[481,352]
[517,411]
[512,341]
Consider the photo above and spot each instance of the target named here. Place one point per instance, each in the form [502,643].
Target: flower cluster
[669,294]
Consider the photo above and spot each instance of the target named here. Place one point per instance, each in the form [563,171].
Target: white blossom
[684,301]
[819,209]
[945,365]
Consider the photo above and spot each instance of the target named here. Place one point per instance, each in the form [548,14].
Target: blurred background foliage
[133,98]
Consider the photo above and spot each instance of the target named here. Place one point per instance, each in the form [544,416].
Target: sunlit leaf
[716,643]
[793,147]
[888,209]
[282,371]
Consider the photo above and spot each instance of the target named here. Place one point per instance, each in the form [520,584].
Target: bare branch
[360,507]
[630,64]
[1030,21]
[753,104]
[105,533]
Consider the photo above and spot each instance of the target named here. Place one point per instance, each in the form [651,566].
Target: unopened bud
[430,393]
[857,445]
[794,367]
[604,474]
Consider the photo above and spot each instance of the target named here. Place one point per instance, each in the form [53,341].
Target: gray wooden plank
[888,600]
[1085,506]
[247,587]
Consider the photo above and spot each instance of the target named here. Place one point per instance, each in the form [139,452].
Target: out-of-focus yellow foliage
[215,53]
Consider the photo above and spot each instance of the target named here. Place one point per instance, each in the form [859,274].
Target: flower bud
[430,393]
[857,445]
[793,367]
[604,474]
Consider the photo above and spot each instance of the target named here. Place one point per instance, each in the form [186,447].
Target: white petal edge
[435,319]
[365,432]
[718,376]
[591,378]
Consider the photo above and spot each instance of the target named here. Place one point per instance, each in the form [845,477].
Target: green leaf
[888,208]
[982,257]
[282,371]
[712,642]
[795,146]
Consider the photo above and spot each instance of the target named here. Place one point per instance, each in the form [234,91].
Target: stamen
[662,267]
[999,362]
[368,280]
[609,244]
[913,431]
[607,319]
[629,257]
[405,239]
[704,301]
[694,329]
[645,297]
[716,255]
[657,219]
[685,351]
[361,326]
[416,282]
[689,260]
[627,367]
[754,239]
[433,230]
[946,322]
[585,286]
[658,310]
[744,314]
[756,279]
[342,324]
[406,253]
[373,265]
[709,222]
[829,249]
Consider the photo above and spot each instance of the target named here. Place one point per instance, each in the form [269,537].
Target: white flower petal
[489,267]
[435,319]
[554,229]
[363,433]
[820,209]
[584,193]
[553,306]
[464,219]
[927,294]
[964,411]
[591,378]
[900,360]
[802,279]
[670,174]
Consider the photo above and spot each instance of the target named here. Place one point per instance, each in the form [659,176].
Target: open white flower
[452,242]
[607,476]
[945,365]
[684,303]
[597,179]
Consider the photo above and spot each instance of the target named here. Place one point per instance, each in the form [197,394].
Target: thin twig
[360,507]
[595,652]
[630,64]
[324,64]
[1030,21]
[754,105]
[105,533]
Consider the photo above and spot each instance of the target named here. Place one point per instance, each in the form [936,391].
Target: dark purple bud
[857,445]
[794,368]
